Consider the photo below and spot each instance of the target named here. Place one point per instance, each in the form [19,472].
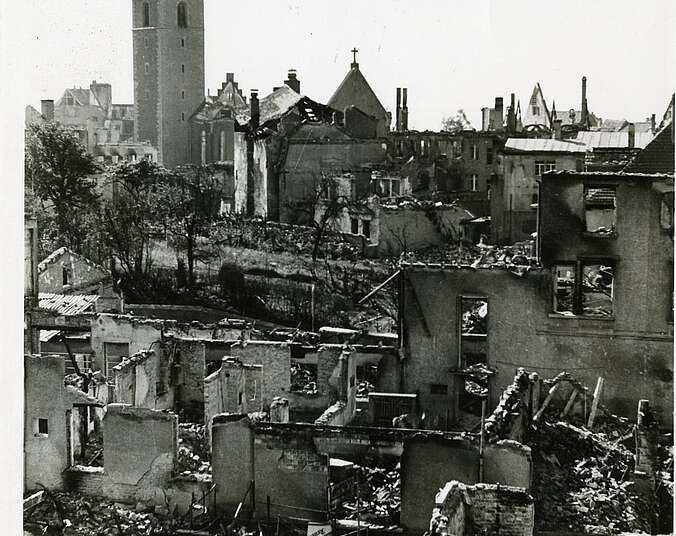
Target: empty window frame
[599,209]
[475,152]
[366,228]
[113,352]
[354,225]
[584,288]
[41,427]
[182,15]
[473,353]
[474,183]
[489,155]
[146,14]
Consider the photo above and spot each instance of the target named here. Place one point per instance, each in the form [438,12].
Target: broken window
[113,353]
[65,275]
[474,183]
[304,378]
[182,15]
[473,353]
[599,209]
[564,292]
[583,288]
[597,290]
[366,228]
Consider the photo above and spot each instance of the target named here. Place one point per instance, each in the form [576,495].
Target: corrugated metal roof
[66,304]
[612,140]
[544,145]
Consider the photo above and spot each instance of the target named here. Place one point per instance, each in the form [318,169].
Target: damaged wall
[523,332]
[482,508]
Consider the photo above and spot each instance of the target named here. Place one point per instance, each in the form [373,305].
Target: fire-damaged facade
[599,302]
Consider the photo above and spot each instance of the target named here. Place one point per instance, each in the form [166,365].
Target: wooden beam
[391,278]
[552,391]
[595,403]
[569,404]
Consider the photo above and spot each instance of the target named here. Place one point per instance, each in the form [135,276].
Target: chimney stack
[292,80]
[631,131]
[652,123]
[404,110]
[511,116]
[584,113]
[254,122]
[397,117]
[229,77]
[47,109]
[499,114]
[557,135]
[485,119]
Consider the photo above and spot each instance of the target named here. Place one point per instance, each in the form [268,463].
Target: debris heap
[379,494]
[193,451]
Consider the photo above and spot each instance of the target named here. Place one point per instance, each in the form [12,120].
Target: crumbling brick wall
[483,508]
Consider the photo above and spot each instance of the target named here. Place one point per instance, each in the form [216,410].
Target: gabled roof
[543,145]
[574,118]
[657,156]
[81,97]
[355,91]
[543,117]
[55,255]
[66,304]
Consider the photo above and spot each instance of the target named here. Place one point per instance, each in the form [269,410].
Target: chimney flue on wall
[631,131]
[397,117]
[292,80]
[255,110]
[404,109]
[47,109]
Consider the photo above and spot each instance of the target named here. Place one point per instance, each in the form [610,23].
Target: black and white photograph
[313,268]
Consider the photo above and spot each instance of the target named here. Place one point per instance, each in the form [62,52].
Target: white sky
[450,55]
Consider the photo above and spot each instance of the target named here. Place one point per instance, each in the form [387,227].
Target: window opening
[599,209]
[42,427]
[182,15]
[354,224]
[584,288]
[146,14]
[366,228]
[438,389]
[473,353]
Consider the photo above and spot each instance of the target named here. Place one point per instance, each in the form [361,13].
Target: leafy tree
[129,218]
[58,171]
[456,123]
[188,202]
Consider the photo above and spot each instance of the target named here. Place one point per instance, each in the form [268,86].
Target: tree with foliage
[59,173]
[189,201]
[456,123]
[128,219]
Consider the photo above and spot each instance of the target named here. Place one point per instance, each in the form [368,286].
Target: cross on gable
[354,55]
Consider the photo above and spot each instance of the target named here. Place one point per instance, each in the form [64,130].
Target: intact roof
[612,140]
[55,255]
[543,145]
[657,156]
[66,304]
[355,91]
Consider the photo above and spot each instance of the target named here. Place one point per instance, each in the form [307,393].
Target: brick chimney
[652,123]
[511,116]
[292,80]
[631,138]
[254,122]
[397,117]
[485,119]
[557,135]
[404,110]
[584,111]
[47,109]
[498,114]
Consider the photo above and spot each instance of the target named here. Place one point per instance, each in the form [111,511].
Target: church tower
[168,39]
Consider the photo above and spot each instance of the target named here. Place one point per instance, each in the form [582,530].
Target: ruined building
[168,43]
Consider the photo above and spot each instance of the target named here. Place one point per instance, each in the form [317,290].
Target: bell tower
[168,45]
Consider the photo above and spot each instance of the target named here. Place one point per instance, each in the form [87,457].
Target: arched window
[182,15]
[146,14]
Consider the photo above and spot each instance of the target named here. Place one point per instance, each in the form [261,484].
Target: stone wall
[482,508]
[81,272]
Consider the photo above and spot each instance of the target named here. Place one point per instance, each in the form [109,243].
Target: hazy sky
[450,55]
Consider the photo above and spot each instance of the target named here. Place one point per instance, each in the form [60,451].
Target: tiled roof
[67,304]
[612,140]
[657,156]
[543,145]
[272,106]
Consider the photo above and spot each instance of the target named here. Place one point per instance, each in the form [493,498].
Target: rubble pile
[379,496]
[72,514]
[303,380]
[282,238]
[582,481]
[193,450]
